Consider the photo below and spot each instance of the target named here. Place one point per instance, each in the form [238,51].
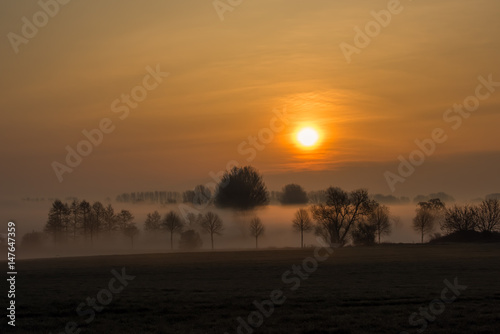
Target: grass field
[356,290]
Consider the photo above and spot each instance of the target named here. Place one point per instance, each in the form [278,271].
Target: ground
[356,290]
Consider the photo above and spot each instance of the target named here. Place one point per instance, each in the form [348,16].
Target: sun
[308,137]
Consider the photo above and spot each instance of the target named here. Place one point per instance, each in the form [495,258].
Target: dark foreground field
[356,290]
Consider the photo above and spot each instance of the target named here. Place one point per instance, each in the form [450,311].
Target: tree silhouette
[302,223]
[86,211]
[256,229]
[75,217]
[424,222]
[97,219]
[460,218]
[109,220]
[341,212]
[172,222]
[380,219]
[123,218]
[211,223]
[130,230]
[293,194]
[153,221]
[488,214]
[57,222]
[242,188]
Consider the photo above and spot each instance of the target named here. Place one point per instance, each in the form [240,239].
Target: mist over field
[250,166]
[277,219]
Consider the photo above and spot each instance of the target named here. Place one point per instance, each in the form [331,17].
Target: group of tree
[345,216]
[209,223]
[482,217]
[81,219]
[173,223]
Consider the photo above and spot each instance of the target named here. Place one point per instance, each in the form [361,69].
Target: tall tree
[86,211]
[241,188]
[57,223]
[302,223]
[341,212]
[109,220]
[211,223]
[256,229]
[172,222]
[97,219]
[379,218]
[75,217]
[123,218]
[424,222]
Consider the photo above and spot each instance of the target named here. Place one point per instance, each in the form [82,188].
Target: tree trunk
[212,237]
[171,240]
[256,242]
[422,241]
[301,239]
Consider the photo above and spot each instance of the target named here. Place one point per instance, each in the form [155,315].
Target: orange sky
[226,78]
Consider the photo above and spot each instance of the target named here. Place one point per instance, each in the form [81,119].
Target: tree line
[483,217]
[83,220]
[336,215]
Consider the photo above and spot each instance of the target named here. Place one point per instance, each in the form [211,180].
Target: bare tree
[341,212]
[380,220]
[211,223]
[460,218]
[256,229]
[172,222]
[424,222]
[436,207]
[488,215]
[302,223]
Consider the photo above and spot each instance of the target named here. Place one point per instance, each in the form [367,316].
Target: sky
[269,64]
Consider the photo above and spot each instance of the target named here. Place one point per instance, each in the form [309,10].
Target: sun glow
[308,137]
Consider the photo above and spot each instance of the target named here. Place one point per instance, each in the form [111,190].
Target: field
[355,290]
